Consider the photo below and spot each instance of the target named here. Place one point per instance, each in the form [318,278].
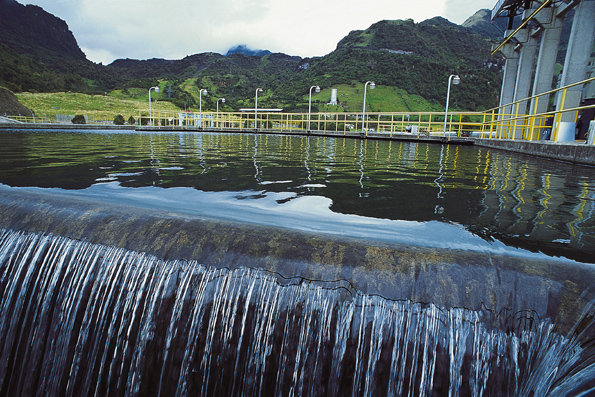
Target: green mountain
[244,50]
[481,23]
[417,58]
[38,53]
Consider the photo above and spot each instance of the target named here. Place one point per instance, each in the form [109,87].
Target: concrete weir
[512,287]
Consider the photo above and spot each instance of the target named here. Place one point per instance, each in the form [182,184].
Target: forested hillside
[38,53]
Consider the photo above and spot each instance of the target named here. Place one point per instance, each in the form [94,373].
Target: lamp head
[456,80]
[156,88]
[317,89]
[259,90]
[372,85]
[223,100]
[204,91]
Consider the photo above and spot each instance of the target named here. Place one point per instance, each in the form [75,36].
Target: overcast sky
[142,29]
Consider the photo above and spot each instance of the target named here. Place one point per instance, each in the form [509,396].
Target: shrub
[119,120]
[131,120]
[79,119]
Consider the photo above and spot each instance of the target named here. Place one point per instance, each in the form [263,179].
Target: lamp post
[222,100]
[200,103]
[256,108]
[372,86]
[317,88]
[454,79]
[156,89]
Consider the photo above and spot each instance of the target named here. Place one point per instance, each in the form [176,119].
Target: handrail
[552,91]
[522,25]
[501,121]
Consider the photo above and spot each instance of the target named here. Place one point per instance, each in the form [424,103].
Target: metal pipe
[200,103]
[372,86]
[457,80]
[310,103]
[156,89]
[256,108]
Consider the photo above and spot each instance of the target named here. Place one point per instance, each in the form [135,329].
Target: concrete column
[546,59]
[525,74]
[577,55]
[511,67]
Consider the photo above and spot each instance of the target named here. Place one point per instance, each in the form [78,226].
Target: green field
[96,106]
[132,101]
[380,99]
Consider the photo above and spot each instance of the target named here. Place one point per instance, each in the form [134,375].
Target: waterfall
[78,318]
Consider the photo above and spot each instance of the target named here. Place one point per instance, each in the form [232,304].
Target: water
[84,319]
[177,264]
[409,193]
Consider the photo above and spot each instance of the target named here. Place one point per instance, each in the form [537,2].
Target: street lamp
[156,89]
[455,79]
[317,88]
[222,100]
[372,86]
[200,103]
[256,108]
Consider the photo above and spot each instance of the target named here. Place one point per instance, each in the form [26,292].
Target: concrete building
[531,45]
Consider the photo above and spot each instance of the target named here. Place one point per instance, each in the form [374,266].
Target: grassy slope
[381,99]
[129,102]
[98,106]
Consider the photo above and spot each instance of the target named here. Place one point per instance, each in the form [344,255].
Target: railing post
[556,125]
[449,125]
[516,119]
[532,120]
[460,124]
[430,125]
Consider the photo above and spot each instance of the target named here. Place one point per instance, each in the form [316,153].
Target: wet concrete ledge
[579,153]
[513,285]
[66,126]
[397,136]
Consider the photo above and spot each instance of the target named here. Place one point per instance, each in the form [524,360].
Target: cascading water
[78,318]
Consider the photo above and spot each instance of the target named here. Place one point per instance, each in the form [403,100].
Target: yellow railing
[53,119]
[507,122]
[412,123]
[504,122]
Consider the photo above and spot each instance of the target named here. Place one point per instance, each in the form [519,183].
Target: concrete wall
[577,153]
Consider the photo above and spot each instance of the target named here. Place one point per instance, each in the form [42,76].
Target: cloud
[142,29]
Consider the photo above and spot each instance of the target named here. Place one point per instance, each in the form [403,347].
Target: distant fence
[58,119]
[413,123]
[505,122]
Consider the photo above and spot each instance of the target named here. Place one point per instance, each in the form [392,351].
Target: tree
[119,120]
[79,119]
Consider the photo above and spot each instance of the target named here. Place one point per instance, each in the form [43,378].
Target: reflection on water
[535,204]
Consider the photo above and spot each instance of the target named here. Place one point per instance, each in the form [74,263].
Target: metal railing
[508,122]
[57,119]
[389,123]
[504,122]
